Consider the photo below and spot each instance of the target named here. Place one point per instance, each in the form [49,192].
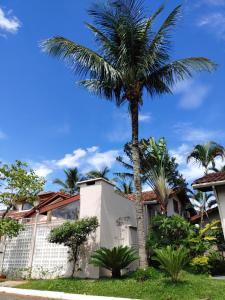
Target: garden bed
[192,287]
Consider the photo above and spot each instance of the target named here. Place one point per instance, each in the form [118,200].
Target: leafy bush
[201,240]
[200,264]
[114,259]
[74,235]
[172,260]
[10,227]
[145,274]
[217,263]
[165,231]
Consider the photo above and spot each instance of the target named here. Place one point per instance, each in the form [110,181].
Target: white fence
[31,255]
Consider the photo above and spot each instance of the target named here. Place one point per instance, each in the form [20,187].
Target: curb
[55,295]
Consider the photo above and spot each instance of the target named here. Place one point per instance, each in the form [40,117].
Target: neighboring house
[117,226]
[209,216]
[214,182]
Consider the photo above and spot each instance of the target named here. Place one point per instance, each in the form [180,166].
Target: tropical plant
[221,169]
[69,185]
[99,173]
[200,264]
[132,58]
[160,185]
[204,155]
[115,259]
[153,154]
[19,184]
[10,227]
[201,240]
[202,202]
[124,186]
[74,235]
[172,260]
[167,231]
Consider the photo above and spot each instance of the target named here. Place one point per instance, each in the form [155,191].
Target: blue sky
[47,120]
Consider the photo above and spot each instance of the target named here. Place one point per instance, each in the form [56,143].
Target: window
[68,212]
[26,206]
[175,206]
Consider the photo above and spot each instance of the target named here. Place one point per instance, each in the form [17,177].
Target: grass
[192,287]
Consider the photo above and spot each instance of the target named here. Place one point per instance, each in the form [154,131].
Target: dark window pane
[69,212]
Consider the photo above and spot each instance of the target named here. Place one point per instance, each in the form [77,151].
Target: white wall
[221,205]
[116,214]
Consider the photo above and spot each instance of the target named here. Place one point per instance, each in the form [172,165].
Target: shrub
[114,259]
[144,274]
[200,264]
[172,260]
[73,235]
[10,227]
[217,263]
[165,231]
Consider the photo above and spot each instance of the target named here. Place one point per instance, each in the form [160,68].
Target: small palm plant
[172,260]
[114,259]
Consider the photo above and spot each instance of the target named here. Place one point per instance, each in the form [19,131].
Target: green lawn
[192,287]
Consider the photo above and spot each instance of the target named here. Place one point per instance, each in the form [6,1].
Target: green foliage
[10,227]
[99,173]
[114,259]
[74,235]
[204,155]
[153,154]
[69,185]
[172,260]
[200,264]
[20,184]
[217,263]
[202,239]
[165,231]
[145,274]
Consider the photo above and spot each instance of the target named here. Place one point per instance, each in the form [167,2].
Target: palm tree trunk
[137,184]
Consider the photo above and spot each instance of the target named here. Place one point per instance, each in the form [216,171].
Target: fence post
[33,242]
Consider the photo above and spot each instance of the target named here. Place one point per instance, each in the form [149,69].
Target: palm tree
[69,185]
[204,155]
[124,186]
[202,202]
[221,169]
[99,173]
[131,58]
[160,185]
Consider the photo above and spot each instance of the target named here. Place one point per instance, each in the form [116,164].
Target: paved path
[9,283]
[54,295]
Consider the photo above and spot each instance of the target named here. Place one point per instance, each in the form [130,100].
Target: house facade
[214,182]
[31,253]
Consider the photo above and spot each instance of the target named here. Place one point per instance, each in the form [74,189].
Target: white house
[31,252]
[214,182]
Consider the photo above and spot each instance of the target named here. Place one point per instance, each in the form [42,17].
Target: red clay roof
[209,211]
[146,196]
[212,177]
[15,214]
[60,203]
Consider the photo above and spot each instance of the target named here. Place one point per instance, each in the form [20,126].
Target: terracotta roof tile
[146,196]
[212,177]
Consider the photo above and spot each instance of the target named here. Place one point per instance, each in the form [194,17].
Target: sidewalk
[54,295]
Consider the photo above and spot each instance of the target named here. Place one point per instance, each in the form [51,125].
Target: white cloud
[145,118]
[188,133]
[180,153]
[71,160]
[215,23]
[2,135]
[192,94]
[43,170]
[8,23]
[100,160]
[84,159]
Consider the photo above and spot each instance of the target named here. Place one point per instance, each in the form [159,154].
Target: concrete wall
[220,190]
[116,215]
